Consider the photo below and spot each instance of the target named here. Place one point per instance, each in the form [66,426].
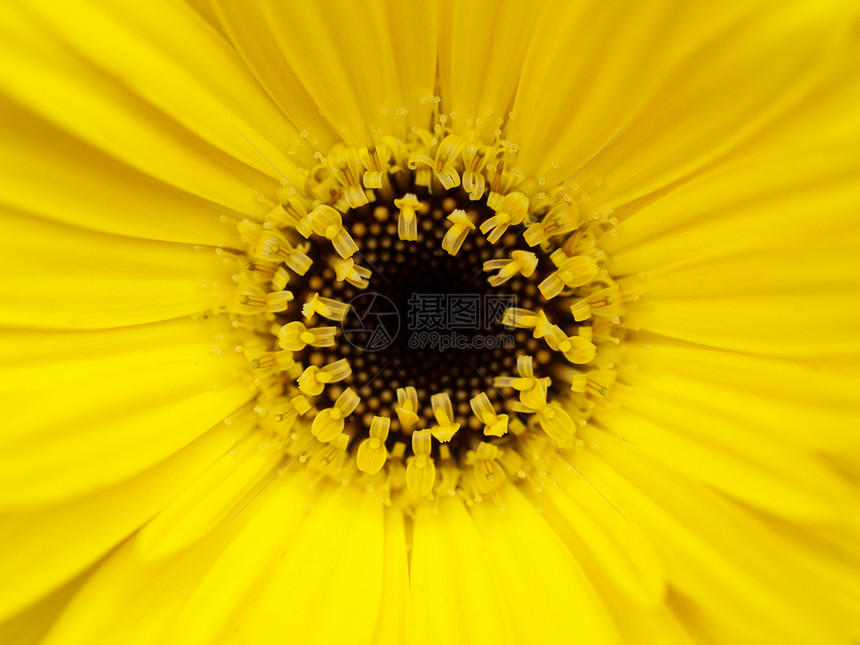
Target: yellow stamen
[280,279]
[321,205]
[252,300]
[277,301]
[495,425]
[396,469]
[573,272]
[301,403]
[372,452]
[597,382]
[348,270]
[527,319]
[314,379]
[274,247]
[374,159]
[532,389]
[485,455]
[331,457]
[456,235]
[560,220]
[326,222]
[510,210]
[346,168]
[295,208]
[557,424]
[325,307]
[580,310]
[420,469]
[450,473]
[407,408]
[284,414]
[447,156]
[443,410]
[605,303]
[280,216]
[295,336]
[522,262]
[407,222]
[574,348]
[280,361]
[475,158]
[329,423]
[259,272]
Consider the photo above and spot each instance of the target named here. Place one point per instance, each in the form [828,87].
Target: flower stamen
[392,221]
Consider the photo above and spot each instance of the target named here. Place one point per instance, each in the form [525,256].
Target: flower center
[418,324]
[426,319]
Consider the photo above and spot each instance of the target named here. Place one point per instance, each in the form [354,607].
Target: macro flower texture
[430,322]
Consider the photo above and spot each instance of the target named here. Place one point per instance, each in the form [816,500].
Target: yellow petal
[45,171]
[218,604]
[391,623]
[31,553]
[762,324]
[732,459]
[612,550]
[752,203]
[303,37]
[458,602]
[257,32]
[89,103]
[344,533]
[543,586]
[741,394]
[691,119]
[593,66]
[127,584]
[72,278]
[199,508]
[164,53]
[795,273]
[479,68]
[723,579]
[149,391]
[30,626]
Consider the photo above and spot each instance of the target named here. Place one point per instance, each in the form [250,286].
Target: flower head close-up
[430,322]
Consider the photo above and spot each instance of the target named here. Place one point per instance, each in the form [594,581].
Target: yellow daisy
[398,322]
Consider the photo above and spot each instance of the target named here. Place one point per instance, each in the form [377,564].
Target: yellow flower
[212,432]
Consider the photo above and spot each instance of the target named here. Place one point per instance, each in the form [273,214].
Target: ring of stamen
[440,214]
